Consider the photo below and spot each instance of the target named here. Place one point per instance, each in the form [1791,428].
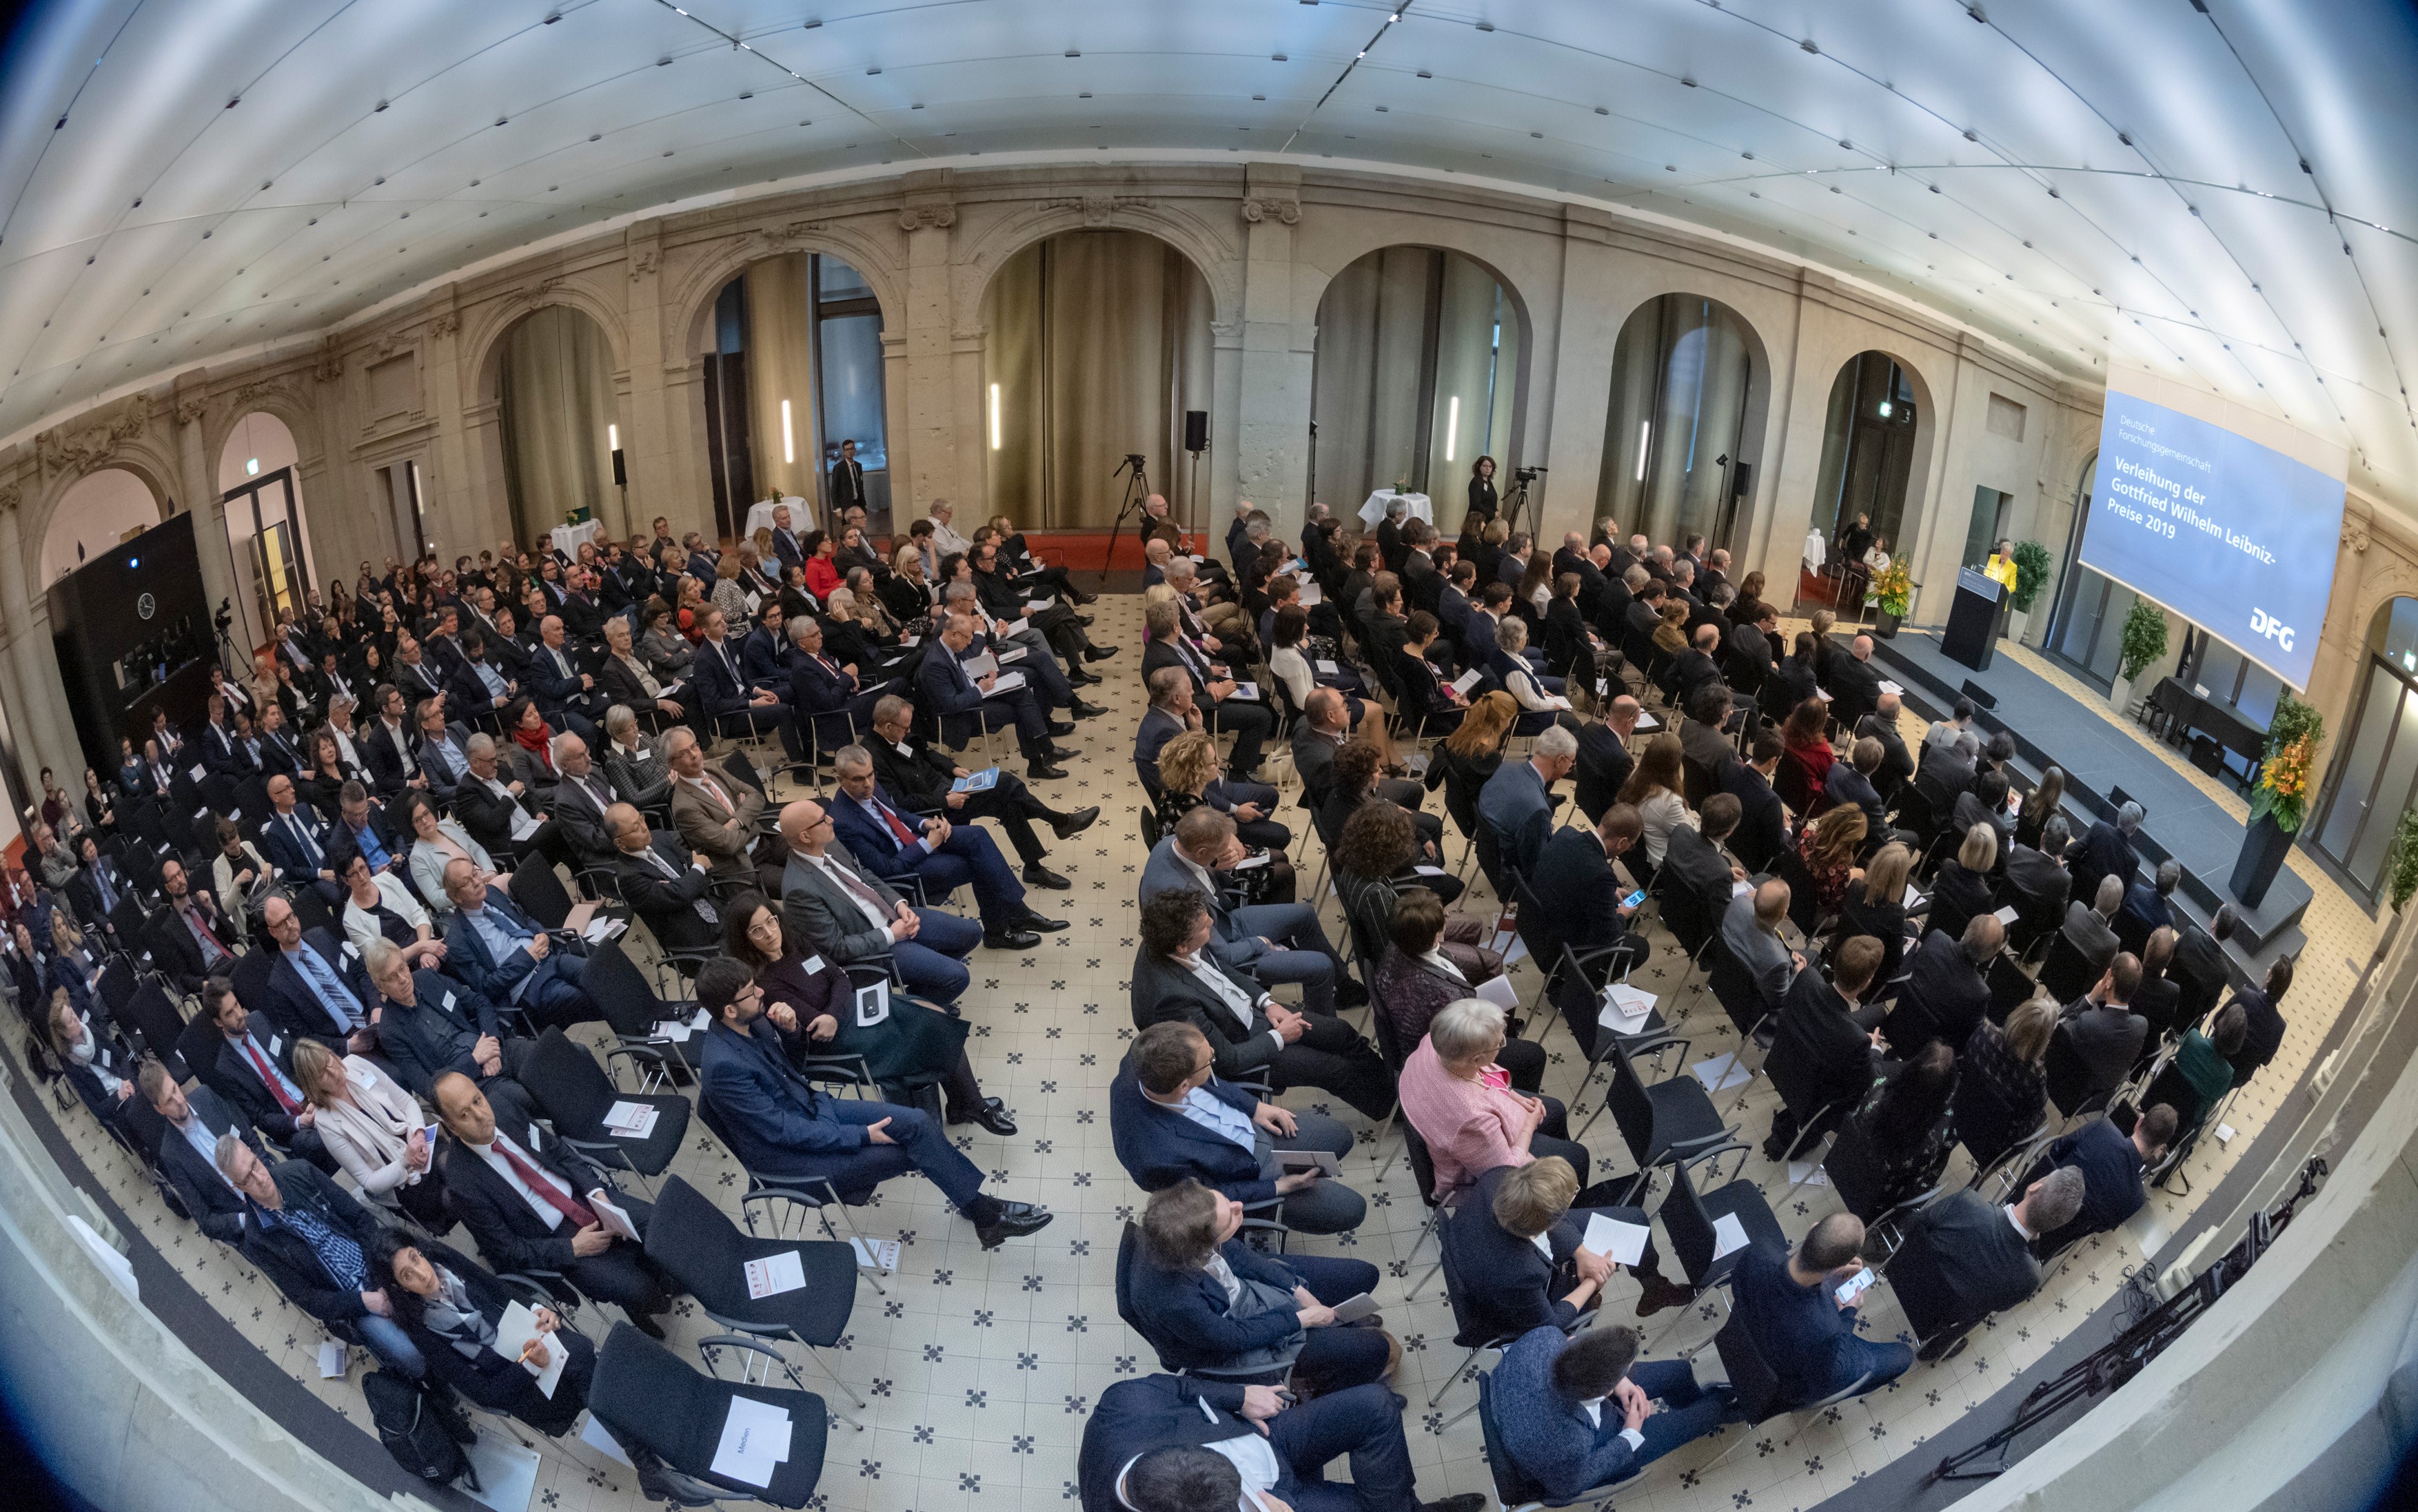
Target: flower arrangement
[2284,779]
[1893,590]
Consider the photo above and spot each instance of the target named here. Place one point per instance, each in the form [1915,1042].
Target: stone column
[931,466]
[197,480]
[35,717]
[1268,435]
[647,425]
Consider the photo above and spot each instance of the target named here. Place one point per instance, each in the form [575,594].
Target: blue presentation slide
[2235,537]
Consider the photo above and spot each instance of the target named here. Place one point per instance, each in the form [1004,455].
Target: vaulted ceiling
[2223,190]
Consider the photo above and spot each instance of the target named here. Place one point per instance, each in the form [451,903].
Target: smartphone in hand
[1853,1287]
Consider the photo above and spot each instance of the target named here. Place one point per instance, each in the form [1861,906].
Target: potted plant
[2145,641]
[2032,575]
[2280,804]
[1893,594]
[2401,860]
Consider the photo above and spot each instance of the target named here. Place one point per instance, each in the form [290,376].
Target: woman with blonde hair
[729,595]
[1874,905]
[374,1127]
[1961,888]
[1463,761]
[1999,1097]
[1186,766]
[1654,790]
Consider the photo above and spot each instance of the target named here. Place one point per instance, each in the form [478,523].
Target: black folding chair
[648,1399]
[576,1094]
[804,1193]
[1692,1222]
[1669,1121]
[640,1019]
[540,894]
[704,1251]
[2068,973]
[1861,1181]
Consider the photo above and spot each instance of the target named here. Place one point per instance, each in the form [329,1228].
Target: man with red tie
[893,841]
[252,1073]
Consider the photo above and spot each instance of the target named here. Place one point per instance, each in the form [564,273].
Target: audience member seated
[2159,997]
[1985,804]
[944,856]
[1176,977]
[501,953]
[2102,1028]
[2003,1079]
[533,1204]
[311,987]
[1947,988]
[1603,762]
[1461,1102]
[428,1024]
[250,1074]
[2200,966]
[1788,1305]
[1516,1241]
[925,778]
[782,1126]
[1906,1124]
[811,1004]
[1216,1303]
[1189,769]
[1965,1257]
[1173,1120]
[1960,890]
[2111,1163]
[1352,782]
[1577,1413]
[311,1239]
[1378,863]
[2205,1062]
[832,901]
[2106,850]
[450,1307]
[1654,790]
[1420,972]
[2262,1025]
[1763,826]
[1276,942]
[1823,1044]
[1586,906]
[376,1130]
[1874,905]
[1828,847]
[1516,804]
[1750,932]
[188,1150]
[1805,756]
[1168,1443]
[2087,927]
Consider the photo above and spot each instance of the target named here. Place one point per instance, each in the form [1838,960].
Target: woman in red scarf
[531,733]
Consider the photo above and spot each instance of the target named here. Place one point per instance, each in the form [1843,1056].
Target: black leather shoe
[1037,875]
[1043,771]
[1350,993]
[1010,938]
[992,1115]
[1076,823]
[1041,925]
[1062,727]
[1083,711]
[1098,653]
[1076,677]
[1084,621]
[1014,1220]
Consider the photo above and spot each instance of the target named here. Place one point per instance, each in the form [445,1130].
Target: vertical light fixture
[1645,430]
[612,438]
[994,416]
[788,440]
[1452,426]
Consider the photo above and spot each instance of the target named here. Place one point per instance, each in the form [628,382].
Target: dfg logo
[2263,623]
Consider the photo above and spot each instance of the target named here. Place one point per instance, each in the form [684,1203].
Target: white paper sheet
[1353,1308]
[1249,690]
[775,1273]
[513,1331]
[1467,681]
[1500,992]
[1740,888]
[1728,1234]
[331,1359]
[1721,1073]
[979,666]
[1014,653]
[616,1219]
[601,928]
[876,1254]
[1008,683]
[524,823]
[1625,1243]
[1647,721]
[2007,915]
[755,1439]
[626,1119]
[1887,686]
[1326,668]
[1806,1173]
[1310,593]
[1625,1008]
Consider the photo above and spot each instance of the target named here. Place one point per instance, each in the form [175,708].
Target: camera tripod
[1518,496]
[1136,495]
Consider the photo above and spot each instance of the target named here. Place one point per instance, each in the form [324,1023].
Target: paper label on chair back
[1625,1009]
[755,1439]
[775,1273]
[1728,1234]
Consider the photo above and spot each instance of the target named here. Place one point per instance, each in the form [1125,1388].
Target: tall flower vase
[2263,848]
[1884,623]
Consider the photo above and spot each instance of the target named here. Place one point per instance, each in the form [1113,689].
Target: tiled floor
[979,1369]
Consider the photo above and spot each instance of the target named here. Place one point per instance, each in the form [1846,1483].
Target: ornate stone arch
[1215,255]
[854,242]
[491,318]
[286,396]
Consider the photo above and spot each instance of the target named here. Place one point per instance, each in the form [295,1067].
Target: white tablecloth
[759,514]
[1374,509]
[1817,550]
[571,538]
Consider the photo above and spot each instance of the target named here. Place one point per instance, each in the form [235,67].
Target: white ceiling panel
[1914,142]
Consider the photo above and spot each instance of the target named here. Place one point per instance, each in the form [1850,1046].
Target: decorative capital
[190,409]
[917,217]
[643,263]
[1283,208]
[11,496]
[2354,536]
[448,324]
[331,365]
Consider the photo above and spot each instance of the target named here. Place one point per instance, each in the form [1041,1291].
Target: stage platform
[2103,759]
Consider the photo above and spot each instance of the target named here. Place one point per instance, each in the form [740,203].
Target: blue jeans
[933,963]
[1689,1411]
[920,1144]
[390,1344]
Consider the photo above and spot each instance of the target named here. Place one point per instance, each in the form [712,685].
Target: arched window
[2375,771]
[260,498]
[555,383]
[1683,376]
[1868,447]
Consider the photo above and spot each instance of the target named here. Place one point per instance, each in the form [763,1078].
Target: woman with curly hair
[1828,847]
[1187,767]
[1377,859]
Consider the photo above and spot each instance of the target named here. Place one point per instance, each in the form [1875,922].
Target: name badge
[449,1003]
[273,1045]
[811,965]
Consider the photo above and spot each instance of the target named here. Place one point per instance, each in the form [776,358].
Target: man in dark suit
[2200,968]
[429,1024]
[1175,976]
[2111,1163]
[1985,803]
[847,481]
[785,538]
[1578,1412]
[1693,860]
[1855,684]
[1585,902]
[533,1202]
[1947,771]
[388,748]
[1603,762]
[188,1150]
[1516,805]
[412,674]
[2036,877]
[582,793]
[1786,1301]
[278,754]
[2087,928]
[498,810]
[189,938]
[250,1073]
[819,685]
[673,892]
[1946,990]
[839,904]
[1762,832]
[725,702]
[222,753]
[1697,668]
[1145,1449]
[943,687]
[311,1239]
[2263,1023]
[1172,1120]
[1214,692]
[1897,766]
[316,985]
[1823,1051]
[2148,905]
[301,845]
[1851,782]
[2105,1034]
[1965,1257]
[1276,942]
[896,843]
[2106,851]
[782,1127]
[500,952]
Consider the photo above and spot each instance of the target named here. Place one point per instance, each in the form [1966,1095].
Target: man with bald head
[1603,762]
[833,901]
[562,690]
[582,793]
[1946,987]
[671,890]
[1855,682]
[1897,764]
[301,845]
[1750,931]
